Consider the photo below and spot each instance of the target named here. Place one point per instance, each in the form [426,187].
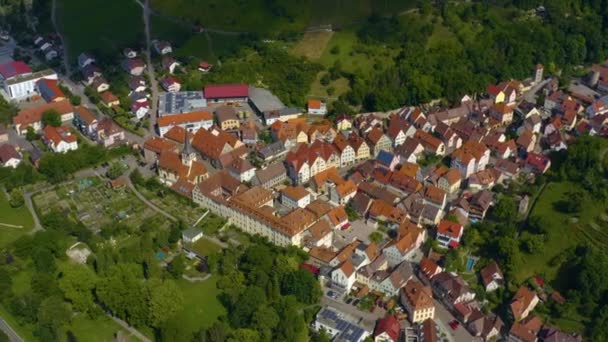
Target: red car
[454,324]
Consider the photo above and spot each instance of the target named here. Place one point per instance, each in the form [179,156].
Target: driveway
[443,317]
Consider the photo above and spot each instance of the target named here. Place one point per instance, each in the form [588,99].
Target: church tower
[188,154]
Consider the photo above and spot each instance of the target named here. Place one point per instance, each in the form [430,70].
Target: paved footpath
[12,334]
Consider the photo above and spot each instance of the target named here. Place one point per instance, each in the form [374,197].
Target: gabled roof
[218,91]
[85,114]
[449,228]
[34,114]
[521,301]
[389,325]
[429,268]
[8,152]
[14,68]
[58,134]
[295,192]
[337,215]
[159,145]
[180,119]
[487,273]
[49,89]
[418,295]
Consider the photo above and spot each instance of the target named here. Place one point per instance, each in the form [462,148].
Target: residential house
[552,334]
[140,109]
[204,66]
[99,84]
[226,93]
[389,282]
[378,141]
[162,47]
[90,73]
[537,163]
[342,193]
[319,235]
[502,112]
[191,235]
[524,301]
[308,160]
[344,276]
[9,157]
[192,122]
[428,332]
[399,129]
[344,123]
[408,240]
[346,151]
[109,133]
[271,176]
[526,141]
[434,196]
[295,196]
[241,169]
[137,84]
[129,53]
[227,118]
[169,64]
[49,90]
[32,117]
[479,204]
[451,289]
[487,327]
[472,157]
[134,66]
[85,59]
[59,139]
[410,150]
[427,269]
[321,131]
[316,107]
[85,121]
[449,234]
[388,329]
[525,330]
[431,144]
[249,134]
[361,203]
[361,148]
[381,211]
[109,100]
[492,277]
[387,160]
[271,151]
[171,84]
[283,114]
[450,181]
[290,132]
[417,299]
[448,136]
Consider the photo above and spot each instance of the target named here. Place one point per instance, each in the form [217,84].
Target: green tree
[77,284]
[17,199]
[123,292]
[165,301]
[244,335]
[533,243]
[303,285]
[177,266]
[51,117]
[53,314]
[116,170]
[31,134]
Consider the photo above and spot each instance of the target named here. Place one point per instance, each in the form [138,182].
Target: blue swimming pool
[470,263]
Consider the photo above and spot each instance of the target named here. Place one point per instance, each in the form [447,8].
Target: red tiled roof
[7,152]
[389,325]
[314,104]
[14,68]
[449,228]
[218,91]
[34,114]
[58,134]
[178,119]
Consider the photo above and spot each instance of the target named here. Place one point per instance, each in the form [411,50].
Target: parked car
[454,324]
[349,300]
[356,302]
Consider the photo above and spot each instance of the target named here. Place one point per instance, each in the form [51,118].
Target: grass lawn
[205,247]
[340,86]
[104,26]
[211,224]
[563,232]
[201,308]
[312,44]
[13,216]
[101,329]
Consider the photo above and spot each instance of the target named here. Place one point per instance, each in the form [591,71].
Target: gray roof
[28,77]
[180,102]
[347,327]
[272,171]
[272,150]
[190,233]
[263,100]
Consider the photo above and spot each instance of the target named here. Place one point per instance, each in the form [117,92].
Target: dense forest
[494,41]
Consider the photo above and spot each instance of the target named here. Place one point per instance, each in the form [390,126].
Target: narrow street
[12,334]
[150,69]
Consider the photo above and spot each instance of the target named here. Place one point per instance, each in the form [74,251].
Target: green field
[204,247]
[102,26]
[100,329]
[563,230]
[201,306]
[13,216]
